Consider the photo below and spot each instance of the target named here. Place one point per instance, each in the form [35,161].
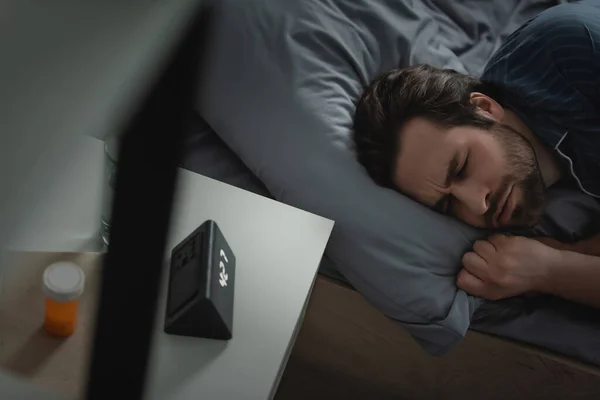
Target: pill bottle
[63,283]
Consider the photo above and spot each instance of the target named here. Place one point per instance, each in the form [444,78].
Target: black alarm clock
[201,281]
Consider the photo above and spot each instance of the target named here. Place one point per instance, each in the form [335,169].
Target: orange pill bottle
[63,284]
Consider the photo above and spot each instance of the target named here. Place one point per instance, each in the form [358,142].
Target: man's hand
[506,266]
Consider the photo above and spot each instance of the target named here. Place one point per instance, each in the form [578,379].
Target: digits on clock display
[223,277]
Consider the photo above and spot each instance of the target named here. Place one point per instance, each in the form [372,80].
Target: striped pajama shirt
[548,73]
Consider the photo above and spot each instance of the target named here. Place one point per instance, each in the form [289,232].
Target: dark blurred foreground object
[201,283]
[145,182]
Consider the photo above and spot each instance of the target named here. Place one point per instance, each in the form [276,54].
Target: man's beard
[524,172]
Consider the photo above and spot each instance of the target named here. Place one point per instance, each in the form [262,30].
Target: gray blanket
[474,29]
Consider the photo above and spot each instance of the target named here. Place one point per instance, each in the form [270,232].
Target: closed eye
[462,171]
[445,203]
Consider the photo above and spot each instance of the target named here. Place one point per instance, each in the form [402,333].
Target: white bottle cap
[63,281]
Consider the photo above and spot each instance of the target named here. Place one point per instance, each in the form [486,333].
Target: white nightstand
[278,249]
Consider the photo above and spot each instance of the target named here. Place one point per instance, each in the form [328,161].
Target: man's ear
[487,106]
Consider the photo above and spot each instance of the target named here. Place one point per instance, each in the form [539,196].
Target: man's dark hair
[440,95]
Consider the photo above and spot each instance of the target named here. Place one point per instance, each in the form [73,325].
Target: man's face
[488,179]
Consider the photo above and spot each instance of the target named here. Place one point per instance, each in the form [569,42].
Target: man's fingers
[475,264]
[470,283]
[484,248]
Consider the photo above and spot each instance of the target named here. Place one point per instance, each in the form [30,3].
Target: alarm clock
[201,285]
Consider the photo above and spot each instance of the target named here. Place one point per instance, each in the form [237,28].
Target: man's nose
[473,195]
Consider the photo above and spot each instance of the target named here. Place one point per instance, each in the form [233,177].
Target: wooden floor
[348,350]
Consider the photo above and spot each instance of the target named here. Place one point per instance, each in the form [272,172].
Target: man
[484,151]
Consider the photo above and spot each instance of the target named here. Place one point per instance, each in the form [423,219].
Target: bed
[471,32]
